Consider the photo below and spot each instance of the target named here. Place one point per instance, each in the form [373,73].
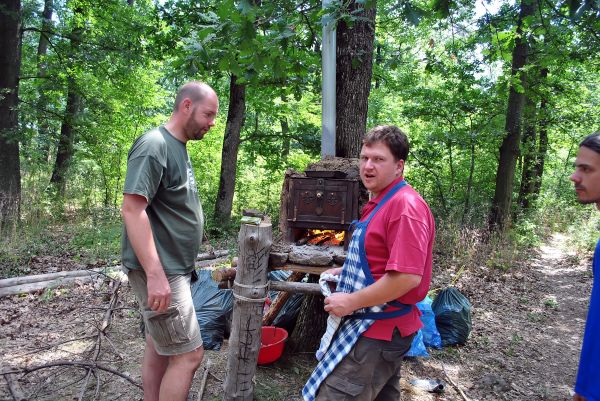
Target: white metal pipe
[328,87]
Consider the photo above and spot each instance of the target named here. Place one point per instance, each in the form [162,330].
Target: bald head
[194,112]
[196,91]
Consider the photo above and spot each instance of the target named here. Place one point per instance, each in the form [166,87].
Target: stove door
[322,203]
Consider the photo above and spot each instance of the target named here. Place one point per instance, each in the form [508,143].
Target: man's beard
[192,128]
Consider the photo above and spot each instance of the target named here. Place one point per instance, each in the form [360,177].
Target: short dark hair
[592,142]
[196,91]
[390,135]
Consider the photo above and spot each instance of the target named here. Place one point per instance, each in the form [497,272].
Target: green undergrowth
[93,237]
[460,248]
[90,237]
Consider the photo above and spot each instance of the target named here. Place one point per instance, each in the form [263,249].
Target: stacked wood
[223,274]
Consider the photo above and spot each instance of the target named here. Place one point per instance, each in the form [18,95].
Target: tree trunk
[311,323]
[379,62]
[64,153]
[542,143]
[285,134]
[65,150]
[231,144]
[46,26]
[354,68]
[529,155]
[44,133]
[509,150]
[10,65]
[467,209]
[249,298]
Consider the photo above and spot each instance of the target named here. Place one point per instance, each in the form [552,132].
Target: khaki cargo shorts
[371,371]
[175,331]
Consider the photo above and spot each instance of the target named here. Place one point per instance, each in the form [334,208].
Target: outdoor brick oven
[322,200]
[326,196]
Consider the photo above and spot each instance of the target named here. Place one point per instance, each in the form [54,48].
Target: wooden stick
[81,364]
[41,281]
[9,282]
[305,288]
[101,332]
[281,299]
[203,382]
[212,255]
[56,344]
[15,389]
[303,268]
[462,394]
[202,264]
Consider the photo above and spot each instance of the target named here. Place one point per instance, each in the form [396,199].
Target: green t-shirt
[159,168]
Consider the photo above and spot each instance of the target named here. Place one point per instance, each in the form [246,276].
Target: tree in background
[509,150]
[10,64]
[44,130]
[354,65]
[255,45]
[235,120]
[65,149]
[442,73]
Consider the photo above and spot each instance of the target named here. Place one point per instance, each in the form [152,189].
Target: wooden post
[249,291]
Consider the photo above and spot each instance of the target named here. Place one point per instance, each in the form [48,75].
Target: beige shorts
[175,331]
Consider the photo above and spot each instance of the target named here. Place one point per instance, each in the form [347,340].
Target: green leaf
[442,7]
[245,7]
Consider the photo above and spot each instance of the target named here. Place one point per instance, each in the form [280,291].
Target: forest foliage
[95,75]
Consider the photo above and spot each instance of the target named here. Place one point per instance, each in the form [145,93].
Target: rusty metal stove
[323,200]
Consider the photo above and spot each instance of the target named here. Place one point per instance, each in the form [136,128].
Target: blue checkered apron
[355,276]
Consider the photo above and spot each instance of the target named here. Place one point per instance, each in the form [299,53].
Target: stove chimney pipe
[328,86]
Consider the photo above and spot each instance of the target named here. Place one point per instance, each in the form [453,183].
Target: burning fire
[325,237]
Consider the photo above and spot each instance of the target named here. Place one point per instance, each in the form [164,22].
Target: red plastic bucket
[271,344]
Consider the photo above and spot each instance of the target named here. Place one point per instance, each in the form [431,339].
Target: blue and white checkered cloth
[352,279]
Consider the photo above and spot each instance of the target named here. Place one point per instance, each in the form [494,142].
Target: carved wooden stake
[249,291]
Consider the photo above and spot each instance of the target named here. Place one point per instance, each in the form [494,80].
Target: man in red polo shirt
[400,232]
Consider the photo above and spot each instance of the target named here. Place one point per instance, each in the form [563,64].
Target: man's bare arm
[140,236]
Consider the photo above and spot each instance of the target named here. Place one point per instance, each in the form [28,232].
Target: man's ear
[186,105]
[399,168]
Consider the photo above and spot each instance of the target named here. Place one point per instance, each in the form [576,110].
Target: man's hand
[340,304]
[391,286]
[159,292]
[578,397]
[335,271]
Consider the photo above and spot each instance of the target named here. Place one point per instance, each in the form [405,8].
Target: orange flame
[325,237]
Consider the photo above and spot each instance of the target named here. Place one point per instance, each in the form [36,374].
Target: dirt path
[527,325]
[527,329]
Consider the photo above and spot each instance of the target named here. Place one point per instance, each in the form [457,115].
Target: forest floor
[528,320]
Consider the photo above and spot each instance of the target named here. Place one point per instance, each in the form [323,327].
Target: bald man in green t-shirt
[163,224]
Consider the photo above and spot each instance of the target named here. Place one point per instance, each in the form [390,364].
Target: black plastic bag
[213,308]
[452,316]
[287,316]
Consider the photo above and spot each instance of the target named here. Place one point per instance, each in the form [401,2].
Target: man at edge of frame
[163,227]
[391,247]
[587,187]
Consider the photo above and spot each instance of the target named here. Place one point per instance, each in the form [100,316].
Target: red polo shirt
[400,238]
